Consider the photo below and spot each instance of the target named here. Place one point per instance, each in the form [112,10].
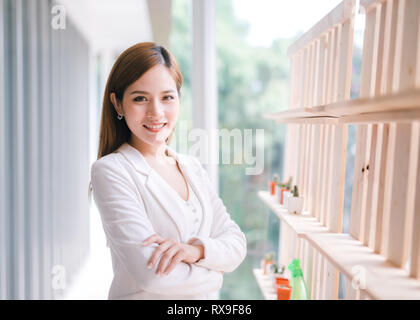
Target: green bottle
[297,283]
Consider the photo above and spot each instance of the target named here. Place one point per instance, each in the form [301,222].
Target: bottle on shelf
[299,291]
[274,183]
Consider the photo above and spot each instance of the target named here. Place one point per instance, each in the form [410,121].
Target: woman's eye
[140,99]
[168,97]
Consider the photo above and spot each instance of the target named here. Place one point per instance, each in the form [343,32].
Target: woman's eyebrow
[145,92]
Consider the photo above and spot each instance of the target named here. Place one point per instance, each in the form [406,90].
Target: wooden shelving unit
[382,249]
[379,278]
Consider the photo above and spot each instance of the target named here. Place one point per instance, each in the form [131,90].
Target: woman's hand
[172,253]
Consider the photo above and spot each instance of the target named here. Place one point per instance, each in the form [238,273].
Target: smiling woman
[159,211]
[146,106]
[122,85]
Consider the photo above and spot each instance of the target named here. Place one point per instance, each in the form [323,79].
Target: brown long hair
[129,67]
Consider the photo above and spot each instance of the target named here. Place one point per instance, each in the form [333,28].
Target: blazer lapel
[158,188]
[166,197]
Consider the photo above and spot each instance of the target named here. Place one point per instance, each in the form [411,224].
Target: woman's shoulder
[110,170]
[110,162]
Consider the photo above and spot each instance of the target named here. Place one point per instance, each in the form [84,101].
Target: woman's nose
[155,109]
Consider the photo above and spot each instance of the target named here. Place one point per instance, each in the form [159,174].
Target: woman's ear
[117,106]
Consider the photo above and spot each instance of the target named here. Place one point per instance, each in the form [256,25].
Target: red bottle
[273,188]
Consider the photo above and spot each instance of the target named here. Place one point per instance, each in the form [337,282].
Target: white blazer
[134,203]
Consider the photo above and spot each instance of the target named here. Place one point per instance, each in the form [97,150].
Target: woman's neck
[155,153]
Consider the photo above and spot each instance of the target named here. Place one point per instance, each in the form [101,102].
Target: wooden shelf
[349,256]
[266,284]
[398,107]
[407,100]
[383,280]
[300,115]
[301,224]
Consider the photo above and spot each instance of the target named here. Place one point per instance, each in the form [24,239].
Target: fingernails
[149,266]
[161,274]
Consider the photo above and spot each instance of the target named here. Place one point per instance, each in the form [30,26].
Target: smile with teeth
[154,128]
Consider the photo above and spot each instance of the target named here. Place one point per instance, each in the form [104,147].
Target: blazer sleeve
[225,248]
[126,226]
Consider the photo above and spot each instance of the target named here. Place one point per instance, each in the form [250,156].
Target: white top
[193,210]
[134,203]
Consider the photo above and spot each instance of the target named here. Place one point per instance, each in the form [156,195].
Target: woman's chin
[163,134]
[155,142]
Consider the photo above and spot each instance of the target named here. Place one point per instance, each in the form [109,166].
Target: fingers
[165,245]
[167,258]
[152,239]
[177,258]
[169,251]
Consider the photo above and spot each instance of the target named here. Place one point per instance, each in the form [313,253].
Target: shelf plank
[300,224]
[407,100]
[382,279]
[266,284]
[291,114]
[300,115]
[402,116]
[399,107]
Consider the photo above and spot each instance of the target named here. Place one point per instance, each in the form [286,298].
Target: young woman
[169,234]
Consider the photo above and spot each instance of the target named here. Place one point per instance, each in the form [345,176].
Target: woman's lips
[154,130]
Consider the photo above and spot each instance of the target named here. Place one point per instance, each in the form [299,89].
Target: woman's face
[150,106]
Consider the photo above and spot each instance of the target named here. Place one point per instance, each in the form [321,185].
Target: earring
[119,117]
